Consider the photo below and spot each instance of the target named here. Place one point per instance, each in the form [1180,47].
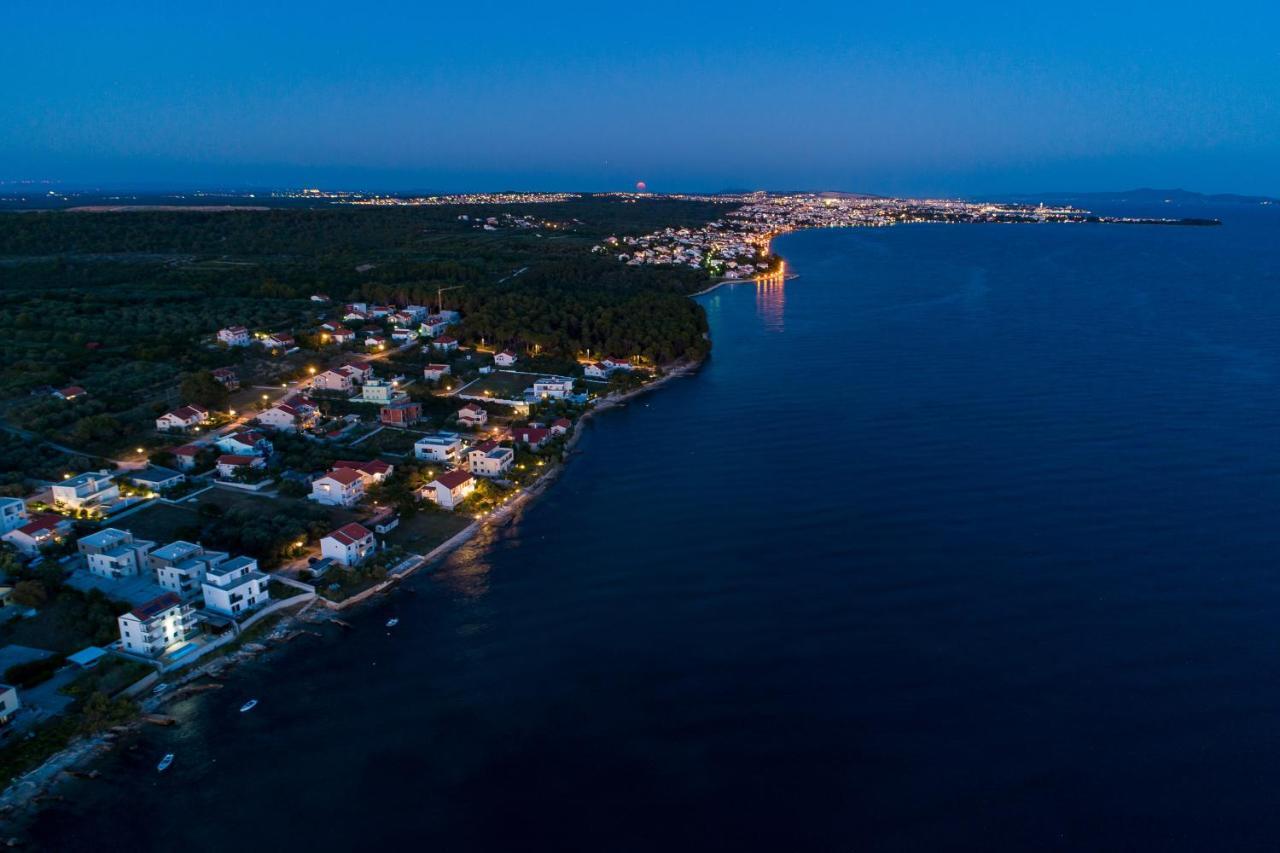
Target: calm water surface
[964,539]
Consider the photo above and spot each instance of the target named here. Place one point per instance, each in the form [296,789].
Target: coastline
[755,280]
[23,795]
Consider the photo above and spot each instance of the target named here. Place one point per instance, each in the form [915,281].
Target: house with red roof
[349,545]
[373,471]
[234,336]
[561,426]
[506,358]
[450,489]
[46,528]
[435,371]
[71,392]
[184,457]
[339,487]
[157,626]
[445,343]
[535,437]
[228,377]
[231,464]
[401,413]
[182,419]
[247,442]
[490,459]
[472,415]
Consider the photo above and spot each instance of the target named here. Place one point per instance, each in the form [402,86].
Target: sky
[965,99]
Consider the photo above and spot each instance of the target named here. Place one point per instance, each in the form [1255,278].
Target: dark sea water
[964,539]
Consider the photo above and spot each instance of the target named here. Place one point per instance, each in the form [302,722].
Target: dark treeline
[124,303]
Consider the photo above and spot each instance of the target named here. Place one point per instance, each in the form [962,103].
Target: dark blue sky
[954,98]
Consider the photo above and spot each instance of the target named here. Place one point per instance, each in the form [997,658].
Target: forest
[123,303]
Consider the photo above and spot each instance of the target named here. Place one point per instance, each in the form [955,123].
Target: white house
[234,587]
[435,371]
[489,459]
[506,358]
[235,336]
[553,387]
[334,380]
[362,371]
[349,545]
[230,464]
[595,370]
[381,391]
[472,415]
[152,628]
[246,442]
[183,418]
[617,364]
[115,554]
[443,447]
[181,566]
[342,487]
[444,343]
[86,491]
[561,426]
[44,529]
[290,416]
[449,489]
[433,326]
[186,456]
[13,514]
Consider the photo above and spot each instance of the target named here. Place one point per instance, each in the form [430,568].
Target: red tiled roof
[373,466]
[236,459]
[345,476]
[452,479]
[349,534]
[155,606]
[186,450]
[43,521]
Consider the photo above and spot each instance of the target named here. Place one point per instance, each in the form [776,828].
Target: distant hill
[1147,195]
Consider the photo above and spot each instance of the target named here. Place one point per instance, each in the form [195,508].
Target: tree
[29,593]
[203,389]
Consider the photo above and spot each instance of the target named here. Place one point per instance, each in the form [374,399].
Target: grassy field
[159,521]
[392,440]
[503,384]
[426,530]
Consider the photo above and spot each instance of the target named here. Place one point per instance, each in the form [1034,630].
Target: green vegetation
[95,713]
[67,621]
[125,304]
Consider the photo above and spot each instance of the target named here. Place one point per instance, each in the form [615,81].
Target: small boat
[249,706]
[165,762]
[391,623]
[159,688]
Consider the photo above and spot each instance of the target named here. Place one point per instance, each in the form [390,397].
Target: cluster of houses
[488,458]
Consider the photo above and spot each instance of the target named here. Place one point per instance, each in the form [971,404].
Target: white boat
[165,762]
[159,688]
[391,623]
[249,706]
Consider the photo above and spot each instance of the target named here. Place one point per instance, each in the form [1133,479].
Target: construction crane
[440,295]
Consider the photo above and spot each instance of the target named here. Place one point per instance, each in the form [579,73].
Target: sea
[966,537]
